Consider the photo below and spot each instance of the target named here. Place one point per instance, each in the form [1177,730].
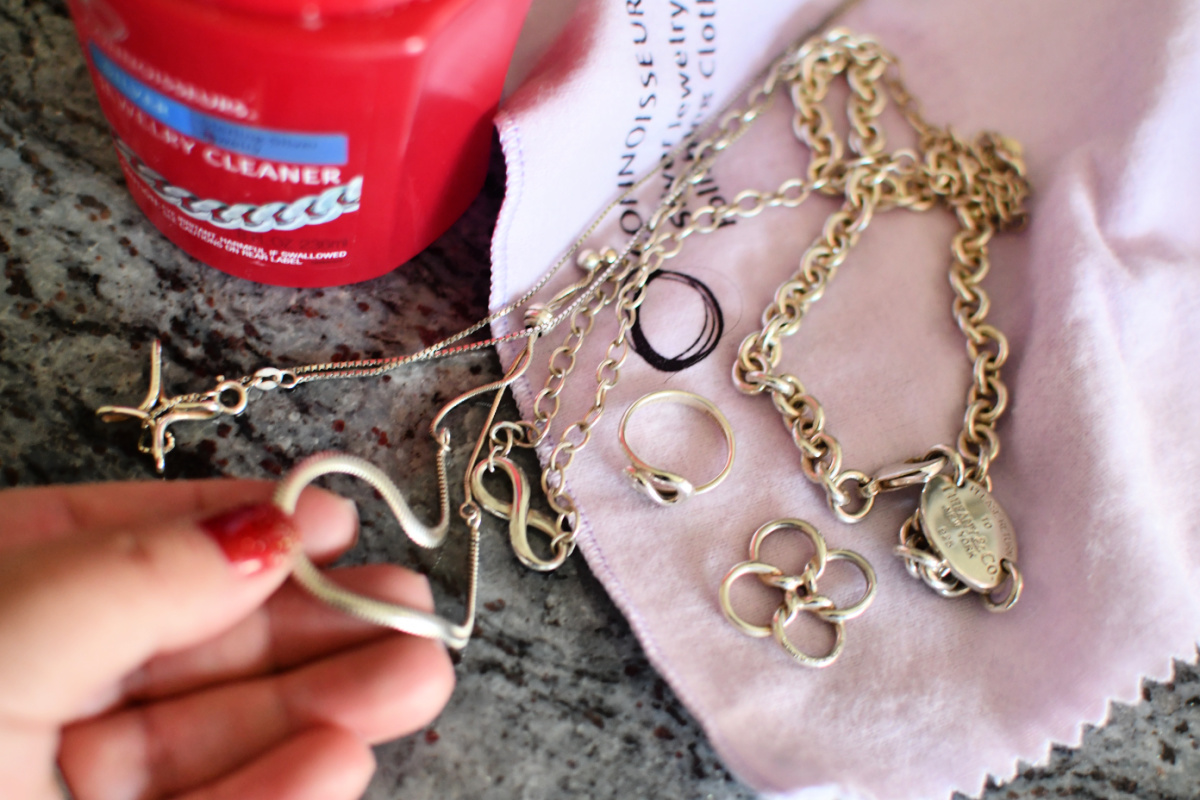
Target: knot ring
[663,487]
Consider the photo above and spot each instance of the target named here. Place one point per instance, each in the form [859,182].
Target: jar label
[286,182]
[259,143]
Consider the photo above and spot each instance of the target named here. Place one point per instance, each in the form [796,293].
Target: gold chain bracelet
[959,539]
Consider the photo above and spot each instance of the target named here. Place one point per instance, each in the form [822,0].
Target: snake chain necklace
[958,540]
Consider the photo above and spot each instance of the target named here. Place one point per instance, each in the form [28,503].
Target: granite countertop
[554,697]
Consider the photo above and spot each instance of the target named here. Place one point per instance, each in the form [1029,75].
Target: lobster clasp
[920,471]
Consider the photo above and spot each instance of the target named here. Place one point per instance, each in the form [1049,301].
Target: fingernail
[253,538]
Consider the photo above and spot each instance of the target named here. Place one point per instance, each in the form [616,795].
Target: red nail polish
[253,538]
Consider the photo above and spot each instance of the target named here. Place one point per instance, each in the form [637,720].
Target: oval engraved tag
[969,529]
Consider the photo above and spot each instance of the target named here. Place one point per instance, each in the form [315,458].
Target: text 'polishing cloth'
[1099,297]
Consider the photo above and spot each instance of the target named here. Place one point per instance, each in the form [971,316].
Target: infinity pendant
[520,517]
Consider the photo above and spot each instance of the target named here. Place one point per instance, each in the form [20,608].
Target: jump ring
[661,486]
[778,622]
[866,494]
[816,564]
[744,568]
[239,392]
[855,609]
[1014,593]
[919,557]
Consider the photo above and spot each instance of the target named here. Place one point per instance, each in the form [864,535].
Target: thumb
[78,614]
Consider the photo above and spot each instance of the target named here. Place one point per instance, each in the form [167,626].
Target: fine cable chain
[231,396]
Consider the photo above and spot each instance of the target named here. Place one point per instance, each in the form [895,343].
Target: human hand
[147,638]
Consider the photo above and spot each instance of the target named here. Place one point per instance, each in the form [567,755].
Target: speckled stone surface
[555,698]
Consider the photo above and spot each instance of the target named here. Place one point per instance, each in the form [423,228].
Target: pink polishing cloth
[1100,299]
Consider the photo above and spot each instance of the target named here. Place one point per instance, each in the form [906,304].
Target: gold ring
[663,487]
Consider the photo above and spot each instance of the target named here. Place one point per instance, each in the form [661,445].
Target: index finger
[45,513]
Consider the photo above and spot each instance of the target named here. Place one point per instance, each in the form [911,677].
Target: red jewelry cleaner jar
[301,142]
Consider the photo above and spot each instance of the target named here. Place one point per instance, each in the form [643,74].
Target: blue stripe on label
[293,148]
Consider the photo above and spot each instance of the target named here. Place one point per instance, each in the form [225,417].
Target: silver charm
[159,411]
[969,530]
